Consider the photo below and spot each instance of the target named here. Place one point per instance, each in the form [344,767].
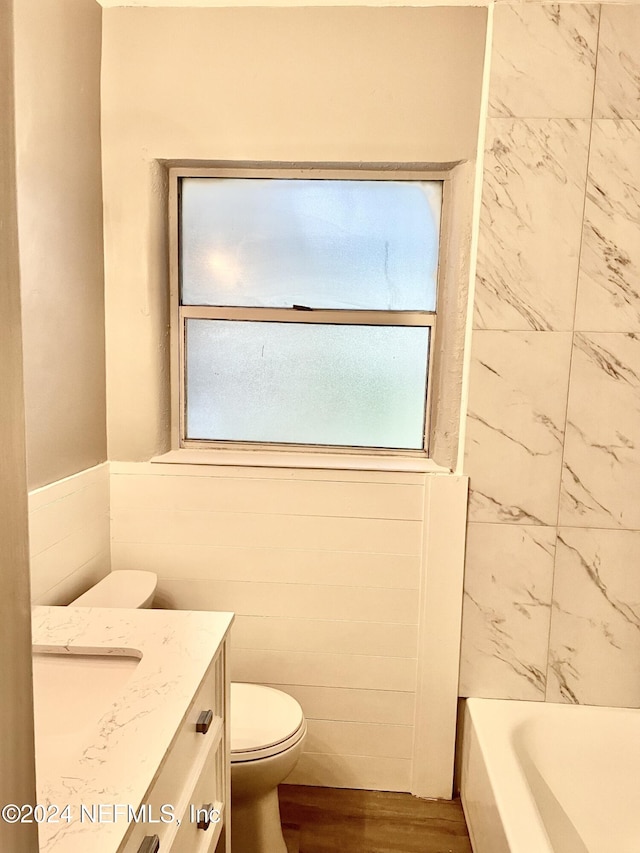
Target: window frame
[179,314]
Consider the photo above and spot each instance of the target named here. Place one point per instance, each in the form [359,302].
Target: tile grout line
[573,334]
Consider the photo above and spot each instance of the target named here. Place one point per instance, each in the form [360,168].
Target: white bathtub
[543,778]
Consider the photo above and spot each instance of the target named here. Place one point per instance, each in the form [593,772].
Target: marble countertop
[130,740]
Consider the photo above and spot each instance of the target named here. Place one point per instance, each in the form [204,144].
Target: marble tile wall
[552,589]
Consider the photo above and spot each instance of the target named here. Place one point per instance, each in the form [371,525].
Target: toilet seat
[264,722]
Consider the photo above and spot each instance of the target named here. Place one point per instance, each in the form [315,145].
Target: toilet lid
[264,721]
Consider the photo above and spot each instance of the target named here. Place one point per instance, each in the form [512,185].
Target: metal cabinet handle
[204,721]
[204,816]
[151,844]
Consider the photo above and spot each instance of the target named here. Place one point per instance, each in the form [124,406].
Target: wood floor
[338,820]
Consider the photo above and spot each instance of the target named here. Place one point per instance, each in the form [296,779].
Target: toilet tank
[127,588]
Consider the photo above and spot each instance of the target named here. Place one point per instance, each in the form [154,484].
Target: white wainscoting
[69,535]
[324,570]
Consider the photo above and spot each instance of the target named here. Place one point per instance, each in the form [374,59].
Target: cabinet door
[202,821]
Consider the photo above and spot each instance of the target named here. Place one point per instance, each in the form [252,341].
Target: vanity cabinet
[155,751]
[190,796]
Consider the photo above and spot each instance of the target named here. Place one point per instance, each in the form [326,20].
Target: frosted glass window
[356,245]
[361,386]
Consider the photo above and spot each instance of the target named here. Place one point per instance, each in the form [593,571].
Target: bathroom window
[304,307]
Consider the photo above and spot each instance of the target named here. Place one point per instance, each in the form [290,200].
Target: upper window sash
[324,244]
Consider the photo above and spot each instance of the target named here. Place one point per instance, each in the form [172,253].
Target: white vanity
[132,742]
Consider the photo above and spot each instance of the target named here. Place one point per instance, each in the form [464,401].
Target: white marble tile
[515,425]
[543,61]
[609,279]
[507,599]
[617,92]
[535,174]
[601,471]
[594,648]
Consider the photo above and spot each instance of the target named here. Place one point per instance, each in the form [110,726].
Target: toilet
[267,730]
[121,589]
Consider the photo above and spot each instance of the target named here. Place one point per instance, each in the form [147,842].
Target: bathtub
[538,777]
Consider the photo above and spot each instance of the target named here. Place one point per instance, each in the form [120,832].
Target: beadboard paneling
[270,565]
[324,670]
[322,569]
[265,530]
[69,535]
[225,471]
[352,771]
[79,581]
[302,600]
[337,738]
[275,496]
[353,704]
[333,636]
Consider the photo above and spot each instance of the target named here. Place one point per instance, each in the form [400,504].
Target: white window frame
[179,314]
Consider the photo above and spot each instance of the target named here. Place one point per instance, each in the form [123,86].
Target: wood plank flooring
[338,820]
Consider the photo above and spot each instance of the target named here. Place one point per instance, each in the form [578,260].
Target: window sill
[302,459]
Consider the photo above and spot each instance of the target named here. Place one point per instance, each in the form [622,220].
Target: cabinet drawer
[209,792]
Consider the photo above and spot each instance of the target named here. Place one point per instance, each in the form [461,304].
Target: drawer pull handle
[151,844]
[204,816]
[204,721]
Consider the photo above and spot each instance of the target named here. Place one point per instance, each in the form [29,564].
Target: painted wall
[57,86]
[553,443]
[17,759]
[324,567]
[254,84]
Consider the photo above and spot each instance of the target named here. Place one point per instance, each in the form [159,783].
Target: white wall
[346,585]
[334,85]
[57,83]
[69,533]
[17,756]
[324,571]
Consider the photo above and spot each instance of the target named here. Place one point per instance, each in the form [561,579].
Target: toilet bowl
[267,730]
